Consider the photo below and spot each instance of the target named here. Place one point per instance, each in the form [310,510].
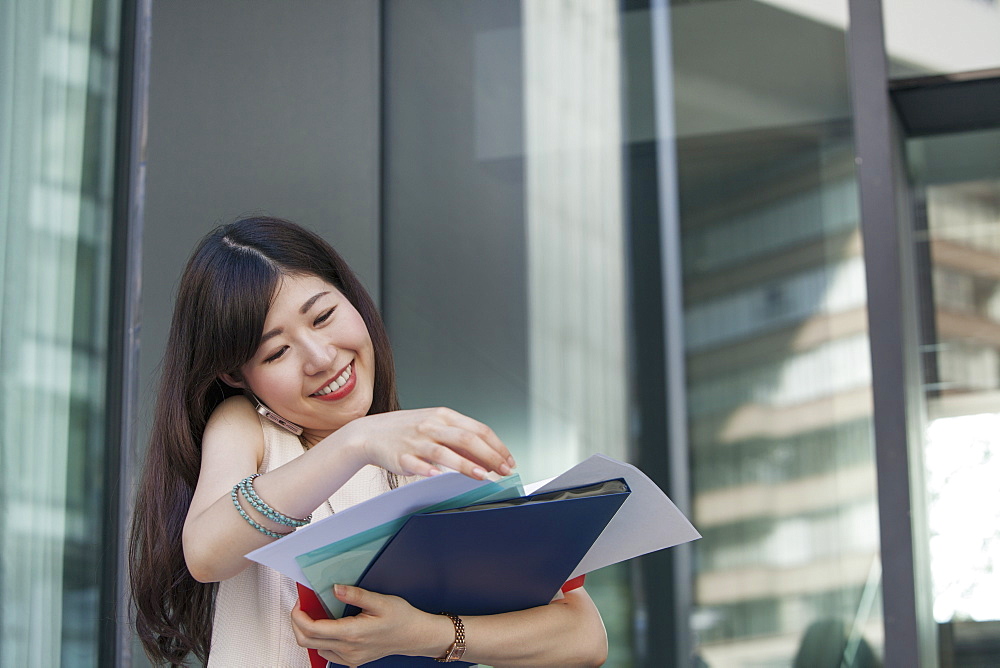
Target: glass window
[504,267]
[776,337]
[941,36]
[956,188]
[520,149]
[58,70]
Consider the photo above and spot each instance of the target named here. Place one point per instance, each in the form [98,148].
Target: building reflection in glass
[777,356]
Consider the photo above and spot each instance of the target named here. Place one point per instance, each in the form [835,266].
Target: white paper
[280,555]
[646,522]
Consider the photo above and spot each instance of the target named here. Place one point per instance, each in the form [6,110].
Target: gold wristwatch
[457,649]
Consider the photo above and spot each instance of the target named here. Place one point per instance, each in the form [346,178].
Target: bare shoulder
[233,424]
[234,410]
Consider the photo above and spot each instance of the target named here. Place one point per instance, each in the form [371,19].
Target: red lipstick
[341,392]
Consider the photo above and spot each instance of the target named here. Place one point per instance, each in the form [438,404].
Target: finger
[368,601]
[306,629]
[413,465]
[301,623]
[470,447]
[330,655]
[303,639]
[485,433]
[446,456]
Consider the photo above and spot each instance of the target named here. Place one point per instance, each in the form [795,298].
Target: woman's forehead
[293,286]
[299,293]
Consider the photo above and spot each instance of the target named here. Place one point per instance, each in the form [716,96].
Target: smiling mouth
[336,383]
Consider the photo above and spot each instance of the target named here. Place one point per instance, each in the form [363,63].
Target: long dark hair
[222,302]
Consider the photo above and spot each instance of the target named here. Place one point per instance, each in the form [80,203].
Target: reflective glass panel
[941,36]
[58,68]
[957,219]
[504,266]
[776,337]
[509,278]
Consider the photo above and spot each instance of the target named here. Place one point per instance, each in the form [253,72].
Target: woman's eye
[324,316]
[279,353]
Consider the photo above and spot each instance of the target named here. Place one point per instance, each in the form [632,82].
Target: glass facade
[956,186]
[58,69]
[504,280]
[776,340]
[509,281]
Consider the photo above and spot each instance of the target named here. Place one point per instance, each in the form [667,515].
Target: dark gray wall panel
[257,107]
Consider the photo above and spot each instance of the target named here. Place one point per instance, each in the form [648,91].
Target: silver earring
[274,417]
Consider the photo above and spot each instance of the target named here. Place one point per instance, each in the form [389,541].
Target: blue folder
[490,558]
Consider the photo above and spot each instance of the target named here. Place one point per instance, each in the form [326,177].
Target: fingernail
[504,469]
[479,472]
[339,590]
[510,460]
[434,472]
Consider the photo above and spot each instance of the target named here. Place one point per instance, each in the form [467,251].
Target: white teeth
[336,383]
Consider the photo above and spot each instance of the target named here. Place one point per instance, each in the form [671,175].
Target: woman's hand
[421,442]
[386,625]
[566,632]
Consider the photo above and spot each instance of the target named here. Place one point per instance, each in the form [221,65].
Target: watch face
[458,652]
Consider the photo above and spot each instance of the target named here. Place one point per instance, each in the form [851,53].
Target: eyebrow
[303,310]
[312,300]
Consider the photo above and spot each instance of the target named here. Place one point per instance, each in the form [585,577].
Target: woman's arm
[566,632]
[215,535]
[405,442]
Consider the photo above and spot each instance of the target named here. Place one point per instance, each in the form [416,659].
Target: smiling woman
[316,364]
[278,392]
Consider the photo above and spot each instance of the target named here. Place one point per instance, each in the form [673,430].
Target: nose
[318,355]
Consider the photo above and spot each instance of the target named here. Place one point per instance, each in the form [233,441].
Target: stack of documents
[468,547]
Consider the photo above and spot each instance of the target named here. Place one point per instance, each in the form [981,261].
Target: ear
[232,380]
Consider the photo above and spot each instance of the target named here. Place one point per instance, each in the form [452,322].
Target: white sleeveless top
[252,626]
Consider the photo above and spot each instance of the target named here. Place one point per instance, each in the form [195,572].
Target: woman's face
[315,364]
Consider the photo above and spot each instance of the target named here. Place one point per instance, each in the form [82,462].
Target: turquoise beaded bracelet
[250,520]
[250,494]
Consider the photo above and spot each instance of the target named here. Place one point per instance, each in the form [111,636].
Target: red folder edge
[575,583]
[310,604]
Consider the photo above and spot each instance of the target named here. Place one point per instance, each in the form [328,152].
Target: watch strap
[457,649]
